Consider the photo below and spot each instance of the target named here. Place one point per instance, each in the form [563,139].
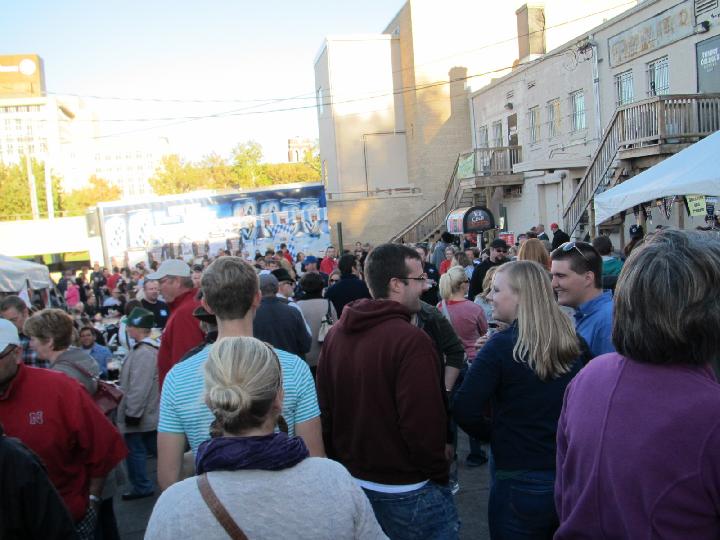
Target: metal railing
[665,119]
[480,162]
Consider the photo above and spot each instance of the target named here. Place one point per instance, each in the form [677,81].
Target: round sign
[27,67]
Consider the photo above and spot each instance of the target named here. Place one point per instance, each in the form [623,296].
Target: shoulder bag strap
[329,312]
[77,368]
[446,312]
[218,510]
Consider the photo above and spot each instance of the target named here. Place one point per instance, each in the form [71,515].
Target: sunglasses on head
[569,246]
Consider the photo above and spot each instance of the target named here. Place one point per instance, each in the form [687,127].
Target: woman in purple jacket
[639,435]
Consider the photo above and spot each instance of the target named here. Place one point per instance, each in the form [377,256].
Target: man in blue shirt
[99,353]
[577,281]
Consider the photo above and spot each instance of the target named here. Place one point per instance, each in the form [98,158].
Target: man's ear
[257,300]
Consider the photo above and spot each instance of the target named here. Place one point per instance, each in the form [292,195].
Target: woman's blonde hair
[534,250]
[242,379]
[451,281]
[487,281]
[547,341]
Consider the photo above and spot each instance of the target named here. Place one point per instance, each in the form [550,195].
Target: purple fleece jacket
[638,452]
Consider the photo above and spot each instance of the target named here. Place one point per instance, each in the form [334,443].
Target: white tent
[16,274]
[693,171]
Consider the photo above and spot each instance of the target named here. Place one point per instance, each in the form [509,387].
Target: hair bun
[230,400]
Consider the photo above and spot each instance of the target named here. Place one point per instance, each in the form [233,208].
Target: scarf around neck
[268,452]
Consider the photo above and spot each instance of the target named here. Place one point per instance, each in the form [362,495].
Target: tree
[99,190]
[312,159]
[176,176]
[283,173]
[220,175]
[15,191]
[246,165]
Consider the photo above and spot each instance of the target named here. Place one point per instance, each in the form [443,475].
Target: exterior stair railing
[665,119]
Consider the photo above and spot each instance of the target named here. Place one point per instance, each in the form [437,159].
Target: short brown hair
[50,324]
[666,301]
[229,286]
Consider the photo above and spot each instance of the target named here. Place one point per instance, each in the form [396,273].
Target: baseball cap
[8,334]
[554,226]
[141,318]
[499,243]
[636,231]
[171,267]
[310,259]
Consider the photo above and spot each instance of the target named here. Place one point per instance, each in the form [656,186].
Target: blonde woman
[534,250]
[522,372]
[265,480]
[481,299]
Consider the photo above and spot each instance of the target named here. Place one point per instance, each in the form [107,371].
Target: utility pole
[33,189]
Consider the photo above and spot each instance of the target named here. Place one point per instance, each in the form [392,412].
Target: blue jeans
[523,507]
[139,445]
[426,513]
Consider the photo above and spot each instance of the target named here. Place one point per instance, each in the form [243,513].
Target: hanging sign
[667,205]
[696,205]
[469,220]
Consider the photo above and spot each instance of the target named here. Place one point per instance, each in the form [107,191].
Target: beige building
[298,147]
[606,105]
[393,108]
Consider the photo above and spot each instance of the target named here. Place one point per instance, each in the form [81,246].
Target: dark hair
[197,268]
[447,237]
[312,284]
[589,261]
[666,301]
[132,304]
[385,262]
[603,244]
[531,234]
[15,302]
[87,329]
[347,263]
[52,324]
[229,286]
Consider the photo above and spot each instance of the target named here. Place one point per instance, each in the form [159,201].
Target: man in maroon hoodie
[380,401]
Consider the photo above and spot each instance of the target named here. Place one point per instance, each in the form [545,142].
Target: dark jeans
[107,528]
[140,445]
[428,512]
[522,507]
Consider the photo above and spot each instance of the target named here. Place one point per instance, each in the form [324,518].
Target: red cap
[554,226]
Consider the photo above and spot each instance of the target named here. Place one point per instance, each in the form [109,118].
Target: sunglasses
[569,246]
[334,280]
[8,352]
[421,277]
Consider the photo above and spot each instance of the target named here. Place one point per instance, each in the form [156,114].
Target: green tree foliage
[98,190]
[244,170]
[15,191]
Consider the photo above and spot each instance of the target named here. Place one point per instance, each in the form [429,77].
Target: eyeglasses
[421,277]
[567,246]
[334,280]
[8,352]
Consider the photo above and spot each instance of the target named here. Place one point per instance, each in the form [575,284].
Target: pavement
[132,516]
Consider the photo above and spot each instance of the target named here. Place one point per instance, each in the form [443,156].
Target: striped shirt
[183,410]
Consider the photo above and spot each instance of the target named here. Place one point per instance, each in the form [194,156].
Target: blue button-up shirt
[101,355]
[593,321]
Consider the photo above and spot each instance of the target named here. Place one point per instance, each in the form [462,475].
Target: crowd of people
[291,396]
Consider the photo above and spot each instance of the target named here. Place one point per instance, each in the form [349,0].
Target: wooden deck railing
[658,120]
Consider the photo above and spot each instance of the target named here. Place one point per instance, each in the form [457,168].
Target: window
[534,119]
[624,88]
[553,114]
[497,134]
[577,106]
[482,139]
[658,77]
[319,98]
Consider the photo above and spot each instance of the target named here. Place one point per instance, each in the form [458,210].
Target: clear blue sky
[228,50]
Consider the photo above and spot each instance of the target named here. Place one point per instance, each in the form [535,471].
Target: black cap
[499,243]
[282,275]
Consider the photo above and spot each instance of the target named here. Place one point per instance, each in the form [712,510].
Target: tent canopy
[693,171]
[15,273]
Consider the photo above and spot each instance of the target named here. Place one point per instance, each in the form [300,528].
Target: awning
[15,273]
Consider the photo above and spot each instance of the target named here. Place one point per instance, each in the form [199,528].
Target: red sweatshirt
[380,396]
[57,419]
[182,332]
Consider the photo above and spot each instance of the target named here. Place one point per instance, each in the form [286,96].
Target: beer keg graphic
[140,223]
[269,206]
[244,206]
[116,233]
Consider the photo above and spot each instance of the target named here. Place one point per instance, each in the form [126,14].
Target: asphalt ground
[132,516]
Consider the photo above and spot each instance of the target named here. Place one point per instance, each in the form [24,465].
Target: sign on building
[21,75]
[663,29]
[708,65]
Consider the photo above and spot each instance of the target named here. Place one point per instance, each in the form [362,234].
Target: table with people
[290,395]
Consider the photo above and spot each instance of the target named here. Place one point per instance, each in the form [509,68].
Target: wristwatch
[94,499]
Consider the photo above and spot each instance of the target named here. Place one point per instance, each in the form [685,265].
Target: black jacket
[559,238]
[478,276]
[349,288]
[30,507]
[282,326]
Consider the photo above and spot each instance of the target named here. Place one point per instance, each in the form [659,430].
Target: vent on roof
[704,6]
[510,95]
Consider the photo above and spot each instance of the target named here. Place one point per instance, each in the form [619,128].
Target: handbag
[325,323]
[107,395]
[218,510]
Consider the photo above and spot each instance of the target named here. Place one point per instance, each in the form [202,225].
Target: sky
[160,56]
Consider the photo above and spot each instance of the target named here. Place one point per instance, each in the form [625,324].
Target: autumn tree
[15,191]
[98,190]
[177,176]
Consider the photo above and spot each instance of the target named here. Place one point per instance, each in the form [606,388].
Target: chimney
[530,31]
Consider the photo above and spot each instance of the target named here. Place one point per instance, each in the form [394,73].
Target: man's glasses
[569,246]
[421,277]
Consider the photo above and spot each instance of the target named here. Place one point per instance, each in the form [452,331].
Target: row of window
[657,77]
[13,150]
[576,117]
[20,109]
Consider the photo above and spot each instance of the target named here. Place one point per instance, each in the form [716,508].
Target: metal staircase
[651,126]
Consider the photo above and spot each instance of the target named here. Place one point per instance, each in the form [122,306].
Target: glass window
[624,92]
[320,103]
[658,76]
[577,106]
[553,113]
[534,119]
[482,140]
[497,132]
